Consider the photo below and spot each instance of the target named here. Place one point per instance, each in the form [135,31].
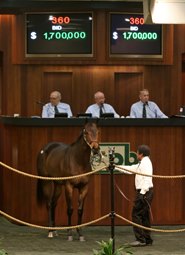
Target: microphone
[39,102]
[101,106]
[101,110]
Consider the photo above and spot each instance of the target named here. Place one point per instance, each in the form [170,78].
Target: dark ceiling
[20,6]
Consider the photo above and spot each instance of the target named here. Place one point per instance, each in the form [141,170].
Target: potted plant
[3,252]
[106,248]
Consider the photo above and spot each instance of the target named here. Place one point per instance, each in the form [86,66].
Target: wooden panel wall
[127,86]
[1,79]
[61,81]
[183,78]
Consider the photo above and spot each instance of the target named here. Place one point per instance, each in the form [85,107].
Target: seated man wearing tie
[145,108]
[55,106]
[100,106]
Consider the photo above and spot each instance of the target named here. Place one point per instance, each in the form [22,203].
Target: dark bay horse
[62,160]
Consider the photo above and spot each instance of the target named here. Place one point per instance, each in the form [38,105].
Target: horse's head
[91,136]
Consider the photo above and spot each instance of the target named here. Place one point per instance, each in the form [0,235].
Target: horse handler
[144,195]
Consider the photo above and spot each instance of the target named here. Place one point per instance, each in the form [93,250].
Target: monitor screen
[84,115]
[130,37]
[59,34]
[107,115]
[61,115]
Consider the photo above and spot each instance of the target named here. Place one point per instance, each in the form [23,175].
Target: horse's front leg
[68,195]
[82,195]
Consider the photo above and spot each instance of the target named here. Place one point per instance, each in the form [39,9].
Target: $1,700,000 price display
[60,35]
[136,35]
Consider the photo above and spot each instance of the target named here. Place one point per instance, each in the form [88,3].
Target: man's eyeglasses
[53,98]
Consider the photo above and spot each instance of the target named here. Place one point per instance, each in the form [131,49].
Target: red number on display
[136,21]
[60,20]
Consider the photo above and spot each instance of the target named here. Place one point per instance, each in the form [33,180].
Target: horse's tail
[40,169]
[40,195]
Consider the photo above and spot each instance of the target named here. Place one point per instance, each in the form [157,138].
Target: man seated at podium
[100,106]
[55,106]
[145,108]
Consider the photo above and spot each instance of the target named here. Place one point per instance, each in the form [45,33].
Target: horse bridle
[96,158]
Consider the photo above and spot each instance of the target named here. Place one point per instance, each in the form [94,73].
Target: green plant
[106,248]
[3,252]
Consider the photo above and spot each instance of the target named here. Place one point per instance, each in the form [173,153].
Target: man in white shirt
[144,195]
[100,106]
[55,106]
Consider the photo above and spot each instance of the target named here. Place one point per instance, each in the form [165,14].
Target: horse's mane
[78,139]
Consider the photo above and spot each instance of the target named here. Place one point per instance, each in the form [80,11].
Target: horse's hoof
[81,238]
[70,238]
[50,235]
[55,233]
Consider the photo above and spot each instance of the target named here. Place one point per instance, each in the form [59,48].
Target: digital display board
[130,37]
[59,34]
